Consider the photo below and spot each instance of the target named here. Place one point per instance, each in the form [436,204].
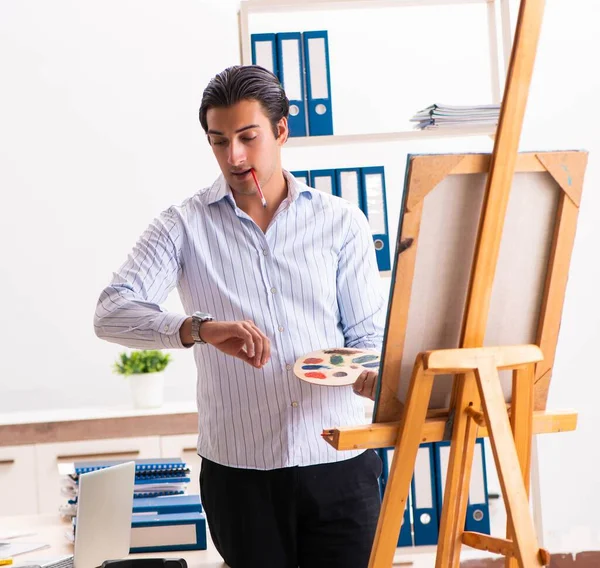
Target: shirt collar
[220,190]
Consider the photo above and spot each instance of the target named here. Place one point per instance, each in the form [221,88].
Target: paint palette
[336,366]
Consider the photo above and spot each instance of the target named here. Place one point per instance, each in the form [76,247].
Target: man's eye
[248,139]
[218,143]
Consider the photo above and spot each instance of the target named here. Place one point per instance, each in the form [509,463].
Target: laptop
[104,509]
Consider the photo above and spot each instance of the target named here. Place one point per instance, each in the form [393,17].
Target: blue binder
[383,478]
[324,180]
[349,185]
[375,208]
[291,75]
[318,83]
[442,457]
[424,497]
[405,537]
[186,531]
[478,515]
[264,52]
[478,509]
[168,505]
[165,532]
[302,175]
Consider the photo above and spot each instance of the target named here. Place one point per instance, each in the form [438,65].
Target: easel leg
[405,455]
[507,456]
[536,492]
[456,493]
[521,420]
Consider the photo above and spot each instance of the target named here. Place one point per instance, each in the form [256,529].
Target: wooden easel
[477,405]
[511,444]
[478,383]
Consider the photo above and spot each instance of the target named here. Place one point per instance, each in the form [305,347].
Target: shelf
[383,137]
[262,6]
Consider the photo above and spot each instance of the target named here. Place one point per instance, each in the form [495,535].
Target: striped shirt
[309,282]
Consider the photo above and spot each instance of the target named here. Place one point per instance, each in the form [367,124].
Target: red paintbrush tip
[262,197]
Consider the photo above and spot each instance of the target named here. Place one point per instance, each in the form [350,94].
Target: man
[264,285]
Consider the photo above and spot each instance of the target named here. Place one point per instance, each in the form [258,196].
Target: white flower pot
[147,389]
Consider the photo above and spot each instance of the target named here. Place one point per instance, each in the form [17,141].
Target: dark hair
[246,82]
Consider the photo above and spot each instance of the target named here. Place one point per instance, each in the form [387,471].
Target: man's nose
[236,153]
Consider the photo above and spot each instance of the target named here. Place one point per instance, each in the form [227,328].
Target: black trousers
[308,517]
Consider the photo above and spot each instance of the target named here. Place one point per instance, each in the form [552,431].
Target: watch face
[197,319]
[202,315]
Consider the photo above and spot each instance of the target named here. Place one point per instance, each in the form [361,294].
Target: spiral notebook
[142,466]
[154,477]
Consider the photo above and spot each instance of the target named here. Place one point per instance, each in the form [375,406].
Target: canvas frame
[424,174]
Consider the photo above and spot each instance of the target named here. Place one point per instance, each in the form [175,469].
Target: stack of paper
[153,478]
[443,116]
[14,548]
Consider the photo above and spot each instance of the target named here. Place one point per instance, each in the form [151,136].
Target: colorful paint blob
[336,360]
[314,367]
[315,375]
[342,351]
[312,361]
[365,359]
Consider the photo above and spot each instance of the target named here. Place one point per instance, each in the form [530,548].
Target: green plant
[138,362]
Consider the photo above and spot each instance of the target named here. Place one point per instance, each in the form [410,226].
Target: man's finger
[244,334]
[359,384]
[373,387]
[262,344]
[257,338]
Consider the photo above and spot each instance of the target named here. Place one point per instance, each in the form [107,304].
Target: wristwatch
[199,318]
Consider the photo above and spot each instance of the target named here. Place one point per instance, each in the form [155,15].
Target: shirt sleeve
[359,288]
[128,311]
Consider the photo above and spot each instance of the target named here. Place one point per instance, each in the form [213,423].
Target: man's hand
[241,339]
[366,384]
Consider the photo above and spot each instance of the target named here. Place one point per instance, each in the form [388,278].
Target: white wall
[99,133]
[561,115]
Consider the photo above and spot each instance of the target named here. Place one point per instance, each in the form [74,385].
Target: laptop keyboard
[64,563]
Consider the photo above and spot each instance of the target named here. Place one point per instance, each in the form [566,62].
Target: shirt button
[166,328]
[281,328]
[265,252]
[288,367]
[273,290]
[295,404]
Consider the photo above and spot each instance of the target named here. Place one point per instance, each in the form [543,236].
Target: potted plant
[144,369]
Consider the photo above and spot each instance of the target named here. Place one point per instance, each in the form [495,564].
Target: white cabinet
[48,456]
[184,446]
[18,494]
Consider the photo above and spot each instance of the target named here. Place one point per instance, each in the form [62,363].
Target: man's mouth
[241,174]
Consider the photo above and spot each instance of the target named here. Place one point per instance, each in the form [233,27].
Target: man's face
[242,138]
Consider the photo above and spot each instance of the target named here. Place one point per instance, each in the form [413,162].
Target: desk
[51,529]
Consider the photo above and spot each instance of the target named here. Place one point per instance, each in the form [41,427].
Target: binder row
[300,60]
[423,511]
[365,187]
